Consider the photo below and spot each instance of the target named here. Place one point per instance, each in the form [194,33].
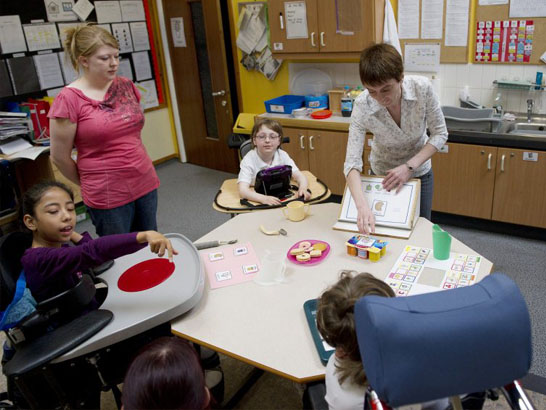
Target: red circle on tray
[312,261]
[145,275]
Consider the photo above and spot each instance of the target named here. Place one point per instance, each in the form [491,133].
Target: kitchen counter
[333,123]
[497,139]
[338,123]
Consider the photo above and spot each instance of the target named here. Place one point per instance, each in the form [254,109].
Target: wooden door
[520,196]
[201,82]
[464,178]
[350,25]
[326,157]
[297,147]
[278,34]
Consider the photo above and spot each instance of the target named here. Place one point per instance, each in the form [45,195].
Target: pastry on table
[315,253]
[304,257]
[297,251]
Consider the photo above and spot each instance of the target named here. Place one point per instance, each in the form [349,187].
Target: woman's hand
[158,243]
[270,200]
[302,192]
[396,178]
[365,220]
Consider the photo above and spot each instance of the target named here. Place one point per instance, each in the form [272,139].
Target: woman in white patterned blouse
[397,109]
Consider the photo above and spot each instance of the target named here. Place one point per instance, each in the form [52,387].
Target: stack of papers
[13,124]
[20,148]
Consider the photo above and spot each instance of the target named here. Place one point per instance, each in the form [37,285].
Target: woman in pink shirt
[99,114]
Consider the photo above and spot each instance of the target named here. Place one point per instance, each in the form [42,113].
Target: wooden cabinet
[520,194]
[502,184]
[333,27]
[320,152]
[464,177]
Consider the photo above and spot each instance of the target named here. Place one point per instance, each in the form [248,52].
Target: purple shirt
[50,271]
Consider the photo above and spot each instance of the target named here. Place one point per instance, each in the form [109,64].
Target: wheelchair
[443,344]
[63,354]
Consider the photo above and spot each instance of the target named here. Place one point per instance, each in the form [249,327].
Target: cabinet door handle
[313,39]
[322,39]
[489,160]
[311,143]
[502,163]
[301,141]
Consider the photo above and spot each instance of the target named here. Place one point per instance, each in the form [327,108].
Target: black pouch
[274,181]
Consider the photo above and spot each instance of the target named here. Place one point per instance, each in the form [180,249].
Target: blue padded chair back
[440,344]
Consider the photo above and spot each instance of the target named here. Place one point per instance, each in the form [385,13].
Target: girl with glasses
[266,139]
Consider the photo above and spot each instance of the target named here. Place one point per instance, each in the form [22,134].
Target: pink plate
[312,261]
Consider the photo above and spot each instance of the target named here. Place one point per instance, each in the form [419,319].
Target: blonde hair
[83,40]
[336,324]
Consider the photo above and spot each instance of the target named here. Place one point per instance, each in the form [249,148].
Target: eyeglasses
[272,137]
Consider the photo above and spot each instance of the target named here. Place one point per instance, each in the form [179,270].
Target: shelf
[517,85]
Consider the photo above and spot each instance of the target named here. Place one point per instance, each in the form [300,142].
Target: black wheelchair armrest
[97,270]
[313,396]
[57,342]
[74,299]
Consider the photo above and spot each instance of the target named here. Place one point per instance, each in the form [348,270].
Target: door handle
[311,143]
[313,39]
[502,163]
[322,39]
[489,160]
[219,93]
[301,141]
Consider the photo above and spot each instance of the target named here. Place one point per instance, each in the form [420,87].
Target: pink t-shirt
[113,164]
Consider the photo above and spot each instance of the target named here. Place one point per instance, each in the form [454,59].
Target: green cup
[441,241]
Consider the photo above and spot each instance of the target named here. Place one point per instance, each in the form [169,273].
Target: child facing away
[266,138]
[50,265]
[346,380]
[166,375]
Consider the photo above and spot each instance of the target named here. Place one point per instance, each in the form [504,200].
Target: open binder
[395,214]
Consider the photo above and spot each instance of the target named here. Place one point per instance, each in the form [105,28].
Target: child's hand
[158,243]
[270,200]
[303,192]
[75,237]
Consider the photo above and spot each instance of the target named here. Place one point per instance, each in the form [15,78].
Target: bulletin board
[32,11]
[501,12]
[448,54]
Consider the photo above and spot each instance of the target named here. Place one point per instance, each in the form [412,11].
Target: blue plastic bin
[284,104]
[316,102]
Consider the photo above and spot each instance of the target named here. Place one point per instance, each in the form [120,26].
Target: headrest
[12,247]
[440,344]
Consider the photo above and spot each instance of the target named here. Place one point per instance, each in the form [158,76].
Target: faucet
[530,104]
[498,110]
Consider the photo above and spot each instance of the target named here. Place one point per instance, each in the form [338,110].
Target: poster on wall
[508,41]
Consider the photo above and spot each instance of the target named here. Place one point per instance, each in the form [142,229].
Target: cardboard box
[334,97]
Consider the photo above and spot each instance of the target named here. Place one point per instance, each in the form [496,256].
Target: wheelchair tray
[136,312]
[229,200]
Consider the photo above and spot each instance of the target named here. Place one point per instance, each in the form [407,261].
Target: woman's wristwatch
[409,167]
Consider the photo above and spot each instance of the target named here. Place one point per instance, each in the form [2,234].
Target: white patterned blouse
[393,145]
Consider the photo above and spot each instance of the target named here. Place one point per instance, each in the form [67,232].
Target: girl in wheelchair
[50,265]
[346,381]
[266,138]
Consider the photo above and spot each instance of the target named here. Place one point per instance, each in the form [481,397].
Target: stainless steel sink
[528,128]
